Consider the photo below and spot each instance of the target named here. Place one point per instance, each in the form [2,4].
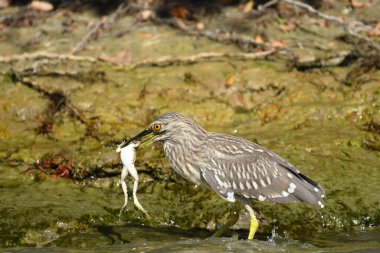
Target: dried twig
[45,56]
[325,16]
[314,62]
[101,25]
[265,6]
[160,62]
[350,27]
[244,42]
[169,60]
[22,13]
[367,40]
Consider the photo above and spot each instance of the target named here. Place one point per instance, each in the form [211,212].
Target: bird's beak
[142,137]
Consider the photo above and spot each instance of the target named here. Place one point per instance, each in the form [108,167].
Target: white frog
[128,157]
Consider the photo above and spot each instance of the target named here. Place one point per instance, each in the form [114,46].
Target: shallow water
[156,240]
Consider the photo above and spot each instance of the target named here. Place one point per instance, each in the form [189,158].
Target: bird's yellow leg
[254,223]
[253,228]
[234,216]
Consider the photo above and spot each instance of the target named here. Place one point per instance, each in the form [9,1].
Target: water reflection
[166,240]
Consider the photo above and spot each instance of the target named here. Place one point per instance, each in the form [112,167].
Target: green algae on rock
[308,117]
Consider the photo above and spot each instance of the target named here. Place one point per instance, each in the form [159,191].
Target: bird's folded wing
[236,167]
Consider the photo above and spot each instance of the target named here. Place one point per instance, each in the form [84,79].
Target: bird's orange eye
[156,127]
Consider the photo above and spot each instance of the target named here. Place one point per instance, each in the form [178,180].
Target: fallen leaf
[375,32]
[277,43]
[287,27]
[320,22]
[179,11]
[41,6]
[4,3]
[230,81]
[357,4]
[145,15]
[377,25]
[123,57]
[248,6]
[200,26]
[149,35]
[331,44]
[259,39]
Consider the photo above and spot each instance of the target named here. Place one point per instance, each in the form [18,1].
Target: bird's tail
[308,190]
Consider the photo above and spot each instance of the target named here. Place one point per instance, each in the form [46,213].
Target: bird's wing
[234,166]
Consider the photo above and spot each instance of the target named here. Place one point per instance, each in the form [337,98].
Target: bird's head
[169,127]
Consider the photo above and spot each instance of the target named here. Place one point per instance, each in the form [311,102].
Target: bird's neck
[180,154]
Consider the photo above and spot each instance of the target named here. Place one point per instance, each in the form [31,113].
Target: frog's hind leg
[135,200]
[124,174]
[134,174]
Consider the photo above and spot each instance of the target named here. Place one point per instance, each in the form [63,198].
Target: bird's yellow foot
[253,228]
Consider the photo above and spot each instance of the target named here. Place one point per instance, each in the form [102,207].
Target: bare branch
[267,5]
[349,27]
[45,56]
[325,16]
[315,62]
[101,25]
[168,60]
[160,62]
[244,42]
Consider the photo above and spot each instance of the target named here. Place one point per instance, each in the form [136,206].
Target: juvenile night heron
[235,168]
